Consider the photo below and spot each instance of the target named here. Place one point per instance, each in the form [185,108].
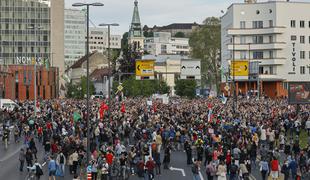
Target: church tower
[135,36]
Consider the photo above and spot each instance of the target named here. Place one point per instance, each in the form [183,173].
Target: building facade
[266,33]
[163,43]
[185,28]
[75,33]
[32,29]
[17,82]
[135,35]
[98,40]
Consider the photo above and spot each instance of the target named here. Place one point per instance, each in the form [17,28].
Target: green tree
[179,35]
[205,43]
[145,88]
[83,86]
[185,88]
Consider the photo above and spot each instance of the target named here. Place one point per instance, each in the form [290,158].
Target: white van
[7,104]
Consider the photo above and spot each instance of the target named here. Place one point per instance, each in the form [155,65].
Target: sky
[153,12]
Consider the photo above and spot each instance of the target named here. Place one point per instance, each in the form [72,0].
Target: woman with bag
[221,171]
[264,168]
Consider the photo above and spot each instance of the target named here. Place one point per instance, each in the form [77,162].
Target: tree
[79,90]
[205,43]
[83,85]
[185,88]
[179,35]
[145,88]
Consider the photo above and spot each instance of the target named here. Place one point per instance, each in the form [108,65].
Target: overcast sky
[154,12]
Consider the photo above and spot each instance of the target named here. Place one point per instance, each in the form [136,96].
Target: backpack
[39,171]
[62,159]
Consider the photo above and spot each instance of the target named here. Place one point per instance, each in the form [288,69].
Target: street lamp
[35,28]
[109,74]
[87,69]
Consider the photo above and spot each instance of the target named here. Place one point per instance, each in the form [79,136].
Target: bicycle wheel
[114,172]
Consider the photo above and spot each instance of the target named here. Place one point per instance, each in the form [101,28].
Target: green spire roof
[135,16]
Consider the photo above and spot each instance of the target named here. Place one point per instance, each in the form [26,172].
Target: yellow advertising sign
[145,68]
[239,68]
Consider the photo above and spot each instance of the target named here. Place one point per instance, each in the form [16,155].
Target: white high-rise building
[75,32]
[163,43]
[274,33]
[98,40]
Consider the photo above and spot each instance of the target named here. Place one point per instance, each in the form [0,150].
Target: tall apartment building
[162,43]
[32,30]
[276,34]
[98,40]
[75,33]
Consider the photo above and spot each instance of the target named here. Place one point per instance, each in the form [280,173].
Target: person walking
[52,167]
[22,157]
[157,163]
[264,168]
[274,168]
[166,160]
[211,170]
[188,150]
[104,170]
[221,171]
[61,161]
[195,170]
[29,158]
[150,166]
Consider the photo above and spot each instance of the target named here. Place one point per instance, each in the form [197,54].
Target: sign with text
[239,68]
[145,69]
[31,60]
[190,69]
[299,93]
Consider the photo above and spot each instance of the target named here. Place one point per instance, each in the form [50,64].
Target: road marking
[10,155]
[200,175]
[252,177]
[178,169]
[43,164]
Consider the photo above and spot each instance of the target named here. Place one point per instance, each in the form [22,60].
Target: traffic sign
[120,87]
[226,88]
[145,68]
[239,68]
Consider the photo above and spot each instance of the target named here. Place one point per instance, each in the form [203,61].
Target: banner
[299,93]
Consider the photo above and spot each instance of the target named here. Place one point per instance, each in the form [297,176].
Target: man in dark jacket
[188,150]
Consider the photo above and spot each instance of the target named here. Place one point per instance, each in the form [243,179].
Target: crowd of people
[136,138]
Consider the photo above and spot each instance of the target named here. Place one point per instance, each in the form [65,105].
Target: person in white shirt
[308,126]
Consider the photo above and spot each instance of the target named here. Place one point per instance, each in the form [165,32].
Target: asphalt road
[10,166]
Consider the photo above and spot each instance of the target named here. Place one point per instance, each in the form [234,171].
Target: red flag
[123,108]
[154,107]
[103,107]
[209,106]
[38,104]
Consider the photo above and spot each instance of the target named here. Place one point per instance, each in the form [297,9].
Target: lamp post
[233,73]
[109,66]
[87,71]
[35,28]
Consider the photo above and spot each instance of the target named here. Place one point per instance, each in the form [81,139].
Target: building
[100,79]
[135,35]
[17,82]
[185,28]
[75,33]
[98,40]
[28,30]
[276,35]
[163,43]
[167,68]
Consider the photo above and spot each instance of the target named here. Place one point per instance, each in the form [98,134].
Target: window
[293,23]
[258,55]
[309,24]
[257,24]
[242,39]
[271,70]
[302,24]
[242,24]
[270,39]
[261,70]
[16,76]
[302,39]
[243,54]
[258,39]
[302,70]
[293,38]
[309,39]
[20,49]
[270,54]
[270,23]
[27,92]
[302,54]
[309,54]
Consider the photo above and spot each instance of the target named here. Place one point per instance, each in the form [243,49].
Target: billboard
[239,68]
[299,93]
[190,69]
[145,69]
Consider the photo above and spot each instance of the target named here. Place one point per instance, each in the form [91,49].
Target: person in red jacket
[109,156]
[274,168]
[150,166]
[228,161]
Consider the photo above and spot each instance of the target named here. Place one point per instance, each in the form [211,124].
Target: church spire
[136,39]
